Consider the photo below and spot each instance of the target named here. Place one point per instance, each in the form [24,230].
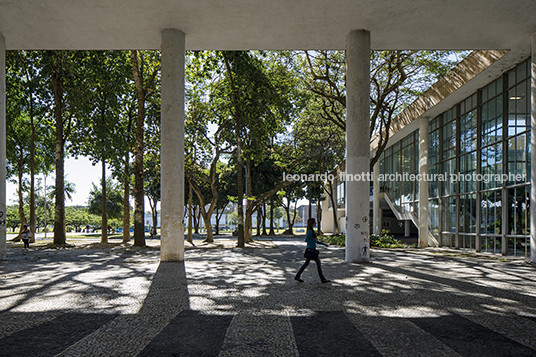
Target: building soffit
[273,25]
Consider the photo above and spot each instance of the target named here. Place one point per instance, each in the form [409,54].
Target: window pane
[449,140]
[491,165]
[518,210]
[517,159]
[468,213]
[449,186]
[468,172]
[449,214]
[491,130]
[468,132]
[491,212]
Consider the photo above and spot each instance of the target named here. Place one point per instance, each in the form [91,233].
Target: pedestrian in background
[26,236]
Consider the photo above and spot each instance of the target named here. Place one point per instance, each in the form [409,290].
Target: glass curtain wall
[434,140]
[485,135]
[517,147]
[478,143]
[400,161]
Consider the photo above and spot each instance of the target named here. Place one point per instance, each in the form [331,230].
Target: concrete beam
[172,145]
[357,145]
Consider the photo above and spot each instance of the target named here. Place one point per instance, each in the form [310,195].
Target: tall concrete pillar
[423,183]
[533,153]
[357,146]
[376,214]
[172,145]
[2,147]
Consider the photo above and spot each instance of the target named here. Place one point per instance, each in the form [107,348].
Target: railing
[407,216]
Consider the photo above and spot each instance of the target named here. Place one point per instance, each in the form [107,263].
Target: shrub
[337,239]
[384,240]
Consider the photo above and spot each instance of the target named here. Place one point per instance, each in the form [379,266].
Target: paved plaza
[121,301]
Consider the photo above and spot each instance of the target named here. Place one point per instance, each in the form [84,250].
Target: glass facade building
[472,144]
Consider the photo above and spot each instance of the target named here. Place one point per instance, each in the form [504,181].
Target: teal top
[310,239]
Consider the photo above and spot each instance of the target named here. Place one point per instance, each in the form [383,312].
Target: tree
[114,201]
[323,143]
[205,150]
[291,194]
[152,184]
[13,221]
[261,104]
[397,77]
[145,68]
[76,217]
[27,102]
[106,74]
[68,94]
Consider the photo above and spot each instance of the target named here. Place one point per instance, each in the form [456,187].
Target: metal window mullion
[478,245]
[457,188]
[504,196]
[440,183]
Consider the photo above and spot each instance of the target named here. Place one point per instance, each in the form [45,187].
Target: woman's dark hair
[310,225]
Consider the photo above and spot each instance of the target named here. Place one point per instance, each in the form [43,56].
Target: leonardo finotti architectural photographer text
[398,177]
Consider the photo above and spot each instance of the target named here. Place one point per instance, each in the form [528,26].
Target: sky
[79,171]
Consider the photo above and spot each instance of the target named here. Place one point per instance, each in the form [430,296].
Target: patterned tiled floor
[222,302]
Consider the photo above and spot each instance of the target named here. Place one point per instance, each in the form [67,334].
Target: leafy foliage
[114,201]
[336,239]
[384,240]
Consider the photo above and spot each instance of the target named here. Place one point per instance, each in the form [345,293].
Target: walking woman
[311,253]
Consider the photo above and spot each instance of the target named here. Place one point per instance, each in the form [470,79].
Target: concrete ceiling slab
[267,24]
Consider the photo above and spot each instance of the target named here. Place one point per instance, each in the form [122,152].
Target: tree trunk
[155,217]
[264,233]
[239,164]
[310,208]
[217,222]
[288,210]
[60,236]
[335,212]
[319,215]
[190,214]
[259,217]
[248,224]
[32,173]
[104,222]
[139,209]
[240,203]
[126,204]
[208,226]
[272,231]
[197,214]
[22,216]
[295,213]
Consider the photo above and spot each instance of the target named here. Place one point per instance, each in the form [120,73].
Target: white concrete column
[407,228]
[533,154]
[423,184]
[357,146]
[172,146]
[2,147]
[376,214]
[376,210]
